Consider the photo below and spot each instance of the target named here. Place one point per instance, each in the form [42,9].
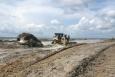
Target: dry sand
[72,62]
[102,66]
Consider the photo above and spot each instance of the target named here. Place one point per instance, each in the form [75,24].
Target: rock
[29,40]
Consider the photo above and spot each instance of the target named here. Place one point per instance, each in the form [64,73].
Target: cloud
[43,18]
[55,21]
[74,2]
[28,12]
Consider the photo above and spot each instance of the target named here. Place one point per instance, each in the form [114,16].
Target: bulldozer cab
[59,34]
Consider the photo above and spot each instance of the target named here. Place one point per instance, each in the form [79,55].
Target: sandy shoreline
[16,62]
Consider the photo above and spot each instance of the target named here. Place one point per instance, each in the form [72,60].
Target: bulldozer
[61,38]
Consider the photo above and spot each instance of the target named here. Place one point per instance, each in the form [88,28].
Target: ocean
[46,41]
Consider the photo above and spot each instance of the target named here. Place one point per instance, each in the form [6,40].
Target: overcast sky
[78,18]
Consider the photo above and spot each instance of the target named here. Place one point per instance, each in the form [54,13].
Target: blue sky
[78,18]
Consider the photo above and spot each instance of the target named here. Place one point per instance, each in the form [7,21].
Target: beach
[55,60]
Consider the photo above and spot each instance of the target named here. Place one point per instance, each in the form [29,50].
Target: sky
[43,18]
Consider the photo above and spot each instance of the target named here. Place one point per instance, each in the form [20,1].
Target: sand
[102,66]
[70,62]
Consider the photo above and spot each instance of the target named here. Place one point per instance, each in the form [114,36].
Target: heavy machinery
[61,38]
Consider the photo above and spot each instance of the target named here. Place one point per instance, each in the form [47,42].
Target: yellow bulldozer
[61,38]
